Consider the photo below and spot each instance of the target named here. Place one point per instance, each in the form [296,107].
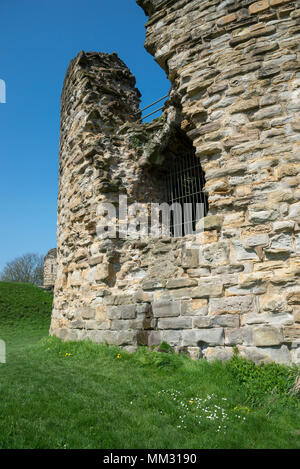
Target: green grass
[84,395]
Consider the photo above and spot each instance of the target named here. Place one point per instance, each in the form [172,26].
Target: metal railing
[150,105]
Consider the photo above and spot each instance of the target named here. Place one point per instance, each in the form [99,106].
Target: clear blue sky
[38,39]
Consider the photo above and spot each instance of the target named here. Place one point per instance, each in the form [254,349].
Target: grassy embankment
[84,395]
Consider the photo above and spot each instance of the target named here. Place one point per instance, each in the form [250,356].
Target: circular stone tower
[234,67]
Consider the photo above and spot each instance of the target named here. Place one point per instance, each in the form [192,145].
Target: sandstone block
[202,322]
[267,112]
[278,2]
[206,290]
[235,336]
[245,105]
[163,309]
[193,352]
[291,333]
[181,283]
[121,312]
[286,170]
[194,307]
[281,243]
[265,355]
[240,253]
[226,320]
[232,305]
[256,240]
[172,337]
[266,335]
[175,323]
[214,254]
[257,7]
[226,19]
[211,222]
[294,212]
[213,336]
[190,258]
[154,338]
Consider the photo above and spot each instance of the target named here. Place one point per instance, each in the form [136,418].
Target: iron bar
[155,102]
[184,184]
[153,112]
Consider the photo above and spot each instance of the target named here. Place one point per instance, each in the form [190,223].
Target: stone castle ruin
[231,125]
[50,268]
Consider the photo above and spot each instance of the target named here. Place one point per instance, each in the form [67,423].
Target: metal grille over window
[185,182]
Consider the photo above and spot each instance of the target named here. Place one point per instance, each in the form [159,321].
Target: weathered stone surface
[265,354]
[210,222]
[266,335]
[207,289]
[162,309]
[121,312]
[213,336]
[232,305]
[180,283]
[218,353]
[175,323]
[241,335]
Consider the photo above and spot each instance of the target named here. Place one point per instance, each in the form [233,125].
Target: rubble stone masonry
[234,69]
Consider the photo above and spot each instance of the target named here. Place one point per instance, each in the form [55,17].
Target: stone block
[295,356]
[240,253]
[291,333]
[172,337]
[257,7]
[281,243]
[210,222]
[201,322]
[214,336]
[245,105]
[232,305]
[275,3]
[226,320]
[293,298]
[193,352]
[226,19]
[267,112]
[87,312]
[294,212]
[263,336]
[190,258]
[241,335]
[154,338]
[124,325]
[252,241]
[207,290]
[181,283]
[265,355]
[194,307]
[175,323]
[218,353]
[167,308]
[215,254]
[287,170]
[121,312]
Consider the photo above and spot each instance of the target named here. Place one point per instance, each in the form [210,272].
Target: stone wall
[50,268]
[235,73]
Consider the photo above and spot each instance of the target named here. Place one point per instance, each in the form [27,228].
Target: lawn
[84,395]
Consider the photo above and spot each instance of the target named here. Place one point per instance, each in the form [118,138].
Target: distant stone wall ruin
[234,69]
[50,269]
